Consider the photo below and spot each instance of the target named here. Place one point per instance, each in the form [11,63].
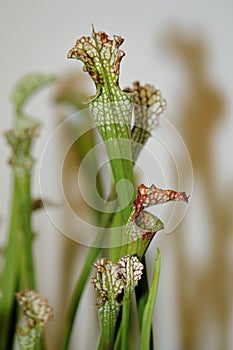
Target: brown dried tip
[148,196]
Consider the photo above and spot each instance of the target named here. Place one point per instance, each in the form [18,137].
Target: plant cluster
[120,269]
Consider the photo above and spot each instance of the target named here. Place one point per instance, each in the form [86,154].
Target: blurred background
[186,50]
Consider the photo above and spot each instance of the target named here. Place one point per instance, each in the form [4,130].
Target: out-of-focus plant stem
[9,279]
[25,204]
[18,270]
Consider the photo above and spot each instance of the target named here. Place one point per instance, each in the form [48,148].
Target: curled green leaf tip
[27,87]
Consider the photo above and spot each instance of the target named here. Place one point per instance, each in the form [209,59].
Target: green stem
[23,191]
[18,270]
[122,170]
[30,338]
[108,320]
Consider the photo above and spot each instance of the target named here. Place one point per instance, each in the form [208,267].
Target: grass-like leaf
[149,309]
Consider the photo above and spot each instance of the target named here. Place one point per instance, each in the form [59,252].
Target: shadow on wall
[207,309]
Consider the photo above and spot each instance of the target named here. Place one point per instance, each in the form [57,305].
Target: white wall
[185,49]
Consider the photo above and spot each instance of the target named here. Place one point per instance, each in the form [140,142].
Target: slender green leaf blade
[149,309]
